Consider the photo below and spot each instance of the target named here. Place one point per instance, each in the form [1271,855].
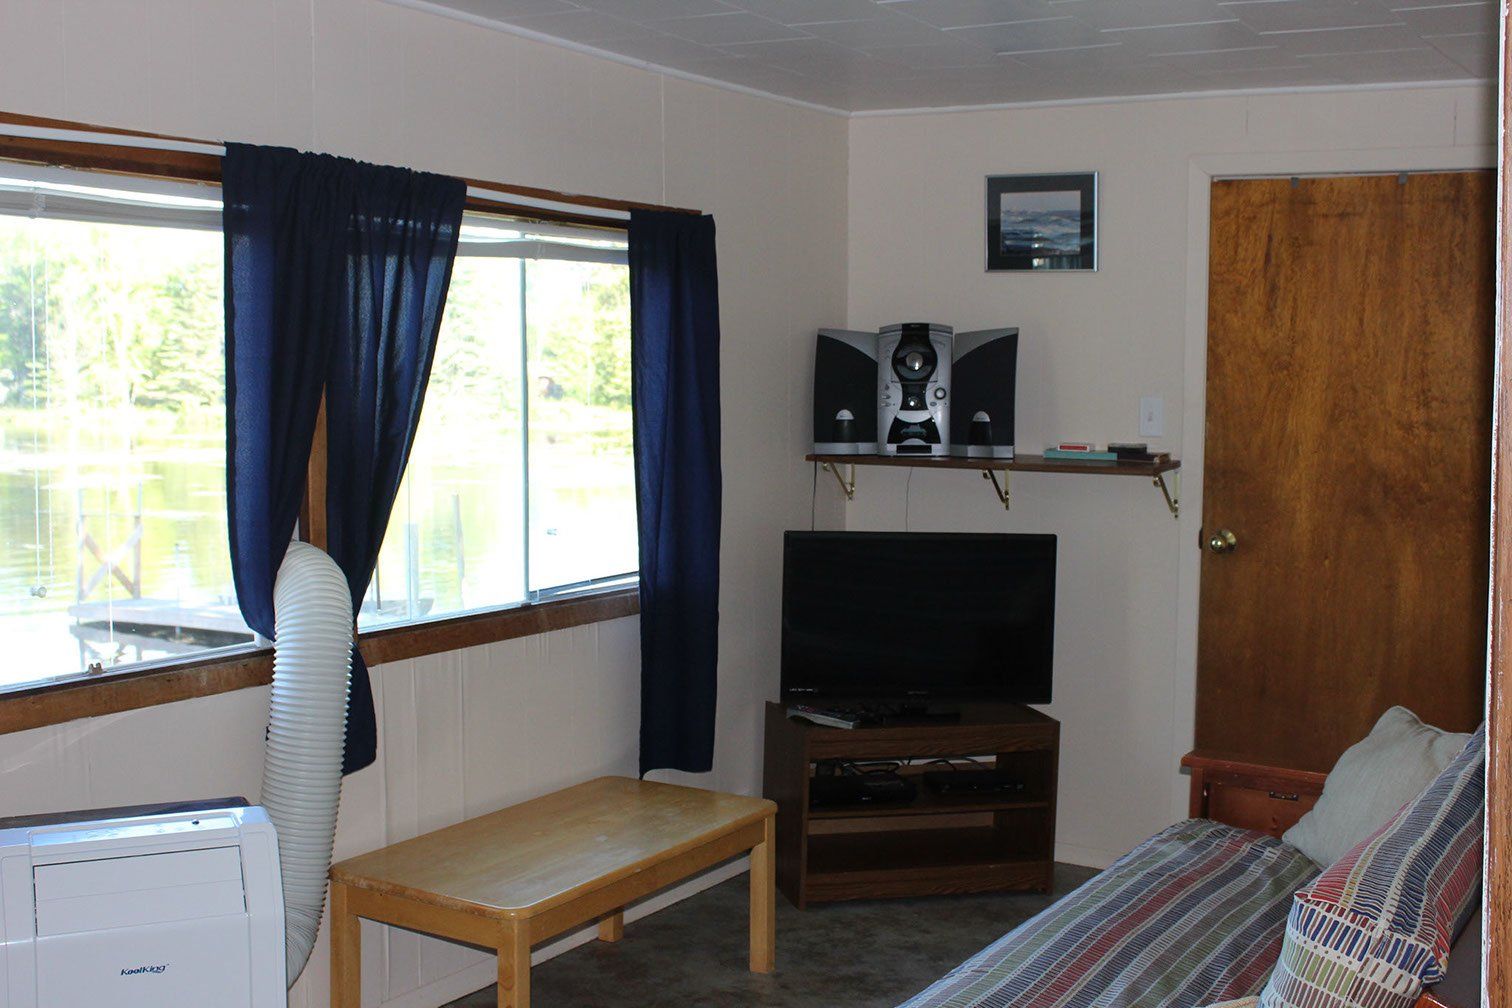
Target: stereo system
[915,388]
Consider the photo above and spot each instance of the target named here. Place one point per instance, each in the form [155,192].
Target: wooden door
[1348,430]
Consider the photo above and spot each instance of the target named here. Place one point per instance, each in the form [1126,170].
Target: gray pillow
[1375,777]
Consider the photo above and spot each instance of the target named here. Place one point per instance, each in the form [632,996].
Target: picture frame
[1042,223]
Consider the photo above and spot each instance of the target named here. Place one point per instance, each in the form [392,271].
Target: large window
[521,485]
[112,429]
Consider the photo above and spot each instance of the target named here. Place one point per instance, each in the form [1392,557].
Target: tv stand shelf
[990,468]
[933,845]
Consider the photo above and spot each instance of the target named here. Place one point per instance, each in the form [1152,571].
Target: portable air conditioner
[157,911]
[189,905]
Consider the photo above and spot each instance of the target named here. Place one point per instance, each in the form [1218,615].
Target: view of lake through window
[532,376]
[112,441]
[112,447]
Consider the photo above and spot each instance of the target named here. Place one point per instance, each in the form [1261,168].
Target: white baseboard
[484,974]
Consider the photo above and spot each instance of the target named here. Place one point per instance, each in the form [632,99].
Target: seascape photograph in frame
[1042,223]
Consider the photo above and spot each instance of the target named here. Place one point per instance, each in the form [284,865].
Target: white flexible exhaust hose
[312,672]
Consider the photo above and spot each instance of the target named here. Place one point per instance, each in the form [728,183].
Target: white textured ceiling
[879,54]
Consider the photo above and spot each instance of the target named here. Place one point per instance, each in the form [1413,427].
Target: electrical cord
[953,764]
[814,500]
[894,766]
[879,767]
[907,500]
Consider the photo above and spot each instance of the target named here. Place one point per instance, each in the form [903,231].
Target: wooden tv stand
[933,845]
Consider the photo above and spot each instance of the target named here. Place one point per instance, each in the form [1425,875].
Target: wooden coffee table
[534,870]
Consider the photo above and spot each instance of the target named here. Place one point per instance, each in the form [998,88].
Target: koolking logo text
[138,971]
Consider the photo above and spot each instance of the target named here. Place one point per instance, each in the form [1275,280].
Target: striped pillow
[1375,927]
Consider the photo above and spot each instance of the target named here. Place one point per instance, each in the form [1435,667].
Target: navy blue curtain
[336,276]
[674,364]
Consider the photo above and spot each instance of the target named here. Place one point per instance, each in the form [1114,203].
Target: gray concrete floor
[866,954]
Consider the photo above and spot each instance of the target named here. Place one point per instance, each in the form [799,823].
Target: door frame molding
[1496,973]
[1202,170]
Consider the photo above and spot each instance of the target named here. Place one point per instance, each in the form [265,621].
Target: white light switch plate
[1152,417]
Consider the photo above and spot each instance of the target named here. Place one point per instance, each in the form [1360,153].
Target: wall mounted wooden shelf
[990,468]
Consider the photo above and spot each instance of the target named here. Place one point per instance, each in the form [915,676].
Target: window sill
[55,703]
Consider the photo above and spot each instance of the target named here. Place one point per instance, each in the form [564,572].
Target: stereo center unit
[913,378]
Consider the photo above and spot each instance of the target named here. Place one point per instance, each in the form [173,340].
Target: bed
[1191,917]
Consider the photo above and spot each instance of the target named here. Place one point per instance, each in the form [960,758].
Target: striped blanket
[1192,916]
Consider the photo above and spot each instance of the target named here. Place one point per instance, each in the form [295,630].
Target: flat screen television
[887,617]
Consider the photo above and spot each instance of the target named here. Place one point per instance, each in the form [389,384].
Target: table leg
[346,951]
[612,926]
[514,965]
[764,901]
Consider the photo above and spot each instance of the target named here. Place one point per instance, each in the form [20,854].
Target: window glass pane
[536,337]
[455,541]
[113,544]
[582,473]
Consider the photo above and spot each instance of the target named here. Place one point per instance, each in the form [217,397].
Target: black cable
[951,763]
[907,500]
[876,767]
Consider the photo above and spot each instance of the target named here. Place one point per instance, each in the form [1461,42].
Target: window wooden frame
[226,670]
[242,668]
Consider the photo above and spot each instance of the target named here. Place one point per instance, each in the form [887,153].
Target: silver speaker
[913,389]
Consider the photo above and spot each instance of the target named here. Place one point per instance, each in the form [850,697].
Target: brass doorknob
[1222,541]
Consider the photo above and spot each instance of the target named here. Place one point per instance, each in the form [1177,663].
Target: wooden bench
[521,875]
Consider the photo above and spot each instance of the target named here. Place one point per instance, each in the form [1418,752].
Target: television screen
[886,616]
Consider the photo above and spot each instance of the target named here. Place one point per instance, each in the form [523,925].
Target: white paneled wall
[821,222]
[464,733]
[468,732]
[456,745]
[1091,345]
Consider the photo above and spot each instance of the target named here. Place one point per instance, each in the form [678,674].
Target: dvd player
[983,781]
[875,788]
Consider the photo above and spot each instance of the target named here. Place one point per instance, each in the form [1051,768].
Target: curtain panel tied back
[674,365]
[336,277]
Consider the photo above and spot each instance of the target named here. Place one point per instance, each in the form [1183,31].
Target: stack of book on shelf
[1086,451]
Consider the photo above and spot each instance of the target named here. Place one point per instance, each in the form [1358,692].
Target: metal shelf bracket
[847,487]
[1000,488]
[1172,503]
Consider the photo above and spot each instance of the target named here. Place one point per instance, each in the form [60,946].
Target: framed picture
[1041,222]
